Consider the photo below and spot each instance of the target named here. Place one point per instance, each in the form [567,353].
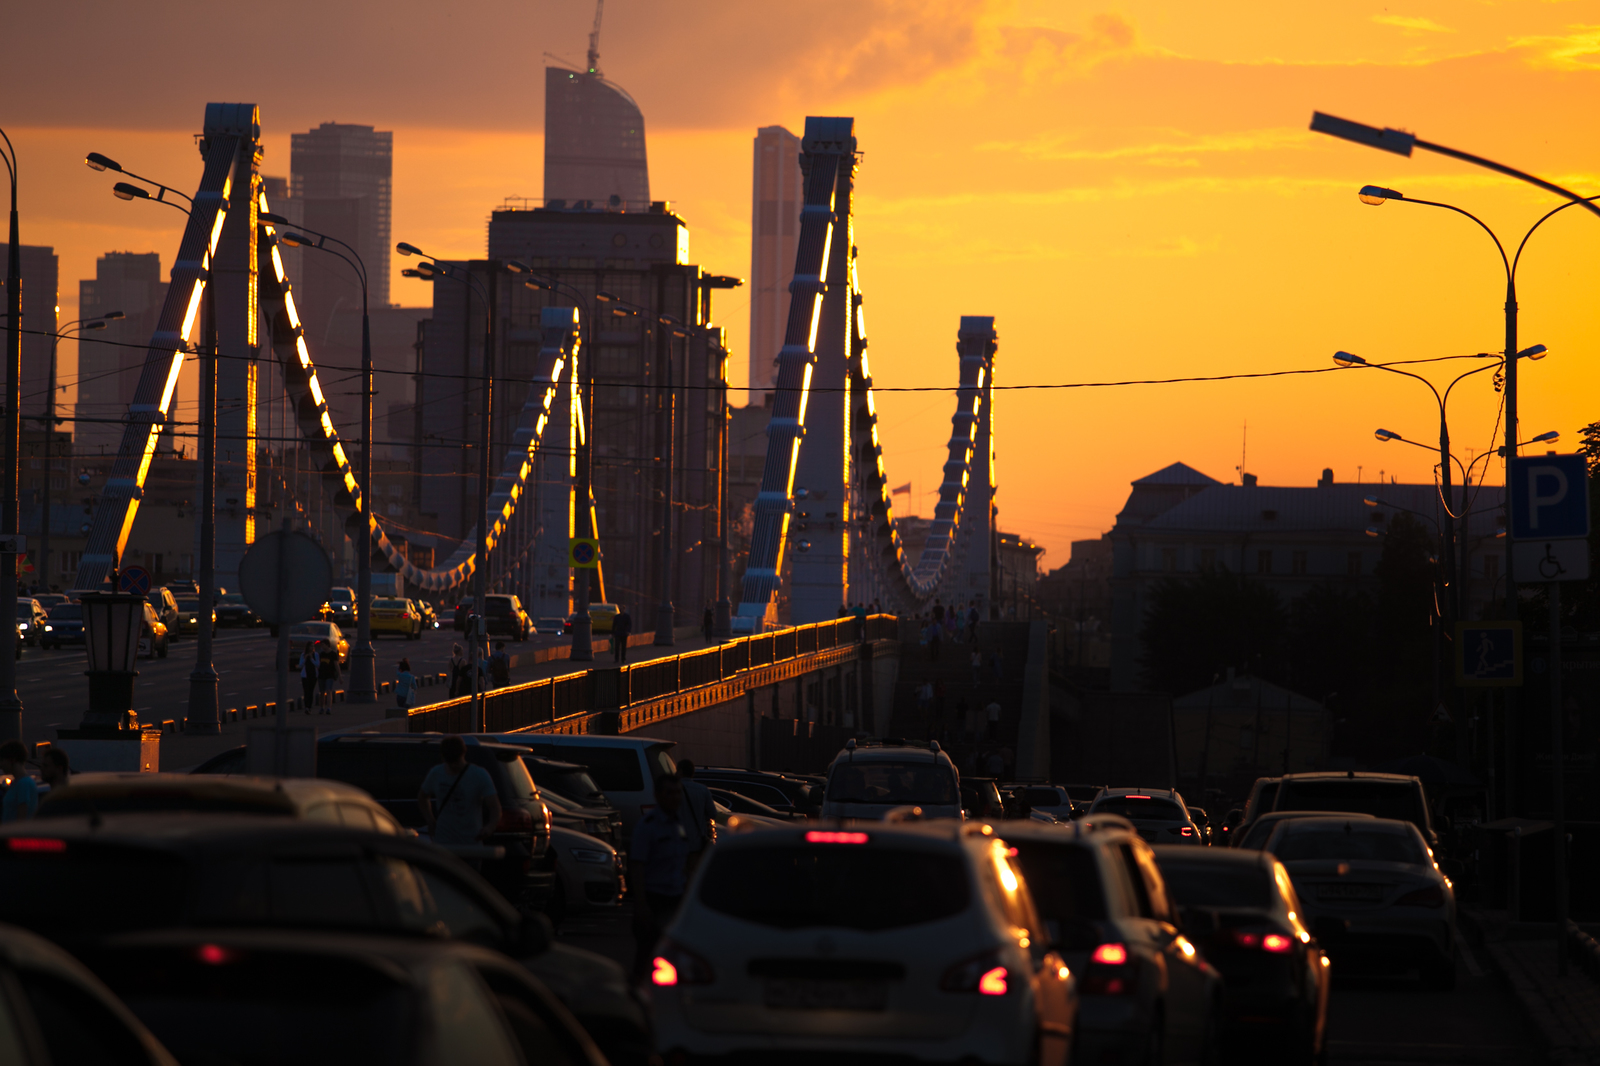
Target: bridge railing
[571,696]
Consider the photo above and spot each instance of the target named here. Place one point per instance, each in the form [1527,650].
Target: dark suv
[390,768]
[506,618]
[1396,796]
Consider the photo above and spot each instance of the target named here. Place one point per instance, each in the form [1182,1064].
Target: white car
[904,939]
[588,874]
[1158,814]
[1372,893]
[1049,799]
[870,780]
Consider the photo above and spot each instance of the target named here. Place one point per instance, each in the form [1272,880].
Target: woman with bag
[404,684]
[309,664]
[328,677]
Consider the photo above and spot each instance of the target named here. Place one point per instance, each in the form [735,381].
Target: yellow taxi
[304,634]
[392,614]
[601,615]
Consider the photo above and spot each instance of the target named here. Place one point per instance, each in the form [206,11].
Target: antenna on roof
[594,38]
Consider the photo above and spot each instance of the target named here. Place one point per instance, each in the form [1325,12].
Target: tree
[1197,627]
[1330,641]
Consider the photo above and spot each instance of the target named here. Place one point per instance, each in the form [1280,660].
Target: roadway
[54,692]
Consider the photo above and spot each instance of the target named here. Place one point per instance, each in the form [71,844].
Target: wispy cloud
[1577,49]
[1413,24]
[1175,149]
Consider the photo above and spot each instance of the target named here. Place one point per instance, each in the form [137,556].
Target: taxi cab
[391,614]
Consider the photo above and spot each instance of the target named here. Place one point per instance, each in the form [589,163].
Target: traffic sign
[13,544]
[583,553]
[1549,498]
[1488,654]
[1539,561]
[285,577]
[134,579]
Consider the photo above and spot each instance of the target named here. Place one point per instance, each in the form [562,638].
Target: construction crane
[594,39]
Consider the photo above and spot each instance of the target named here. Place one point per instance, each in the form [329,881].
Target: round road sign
[305,579]
[134,579]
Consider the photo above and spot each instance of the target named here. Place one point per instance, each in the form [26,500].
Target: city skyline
[1151,207]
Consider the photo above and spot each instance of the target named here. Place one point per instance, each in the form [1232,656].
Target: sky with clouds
[1130,188]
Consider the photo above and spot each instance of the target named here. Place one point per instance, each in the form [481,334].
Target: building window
[1208,558]
[1169,559]
[1491,567]
[1298,563]
[1354,564]
[1264,562]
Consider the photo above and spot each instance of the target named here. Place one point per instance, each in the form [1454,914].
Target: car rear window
[838,885]
[1137,807]
[873,781]
[1400,800]
[1040,797]
[66,611]
[613,769]
[1063,878]
[64,893]
[1215,884]
[1348,842]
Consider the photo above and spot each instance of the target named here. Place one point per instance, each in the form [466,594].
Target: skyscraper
[594,146]
[39,298]
[110,360]
[775,199]
[343,177]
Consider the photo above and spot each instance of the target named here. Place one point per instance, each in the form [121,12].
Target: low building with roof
[1178,521]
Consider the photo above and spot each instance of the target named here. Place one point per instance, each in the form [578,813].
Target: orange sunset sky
[1130,188]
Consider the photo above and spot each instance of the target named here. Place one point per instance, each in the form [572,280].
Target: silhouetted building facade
[594,148]
[40,297]
[110,360]
[776,195]
[342,177]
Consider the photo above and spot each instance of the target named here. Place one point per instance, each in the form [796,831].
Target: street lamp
[10,705]
[429,270]
[582,624]
[124,191]
[363,671]
[49,420]
[722,620]
[112,625]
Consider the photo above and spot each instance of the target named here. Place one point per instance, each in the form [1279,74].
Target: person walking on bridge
[621,626]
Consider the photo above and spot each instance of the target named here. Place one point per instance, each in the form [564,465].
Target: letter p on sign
[1549,497]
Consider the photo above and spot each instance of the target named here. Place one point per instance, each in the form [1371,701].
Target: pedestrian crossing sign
[1488,654]
[583,553]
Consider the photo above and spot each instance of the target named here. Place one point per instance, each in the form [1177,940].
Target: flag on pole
[902,490]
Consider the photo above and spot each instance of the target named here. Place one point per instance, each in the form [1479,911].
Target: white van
[870,780]
[625,768]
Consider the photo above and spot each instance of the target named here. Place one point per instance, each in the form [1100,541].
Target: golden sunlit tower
[774,231]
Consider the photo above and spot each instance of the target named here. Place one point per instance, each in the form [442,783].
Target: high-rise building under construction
[594,148]
[776,194]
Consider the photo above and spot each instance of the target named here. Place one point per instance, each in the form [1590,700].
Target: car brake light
[984,974]
[1431,896]
[1117,982]
[514,820]
[1276,943]
[822,836]
[1187,831]
[1110,955]
[46,844]
[677,965]
[664,974]
[993,982]
[214,954]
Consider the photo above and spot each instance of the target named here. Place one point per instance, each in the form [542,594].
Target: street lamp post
[428,270]
[363,671]
[10,705]
[722,619]
[582,623]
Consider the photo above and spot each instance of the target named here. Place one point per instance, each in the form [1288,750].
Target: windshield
[67,611]
[1063,879]
[574,784]
[25,610]
[341,596]
[309,629]
[838,885]
[1400,800]
[1216,884]
[1141,807]
[389,604]
[1346,842]
[232,597]
[926,783]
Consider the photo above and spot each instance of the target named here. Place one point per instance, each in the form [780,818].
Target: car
[548,626]
[1202,822]
[870,780]
[1240,909]
[232,610]
[981,799]
[430,617]
[506,618]
[30,619]
[735,803]
[786,795]
[395,615]
[316,998]
[1262,794]
[601,824]
[55,1011]
[626,768]
[567,787]
[1051,799]
[48,600]
[1159,815]
[463,611]
[304,634]
[391,767]
[341,606]
[310,798]
[1381,795]
[189,616]
[1255,838]
[602,615]
[1146,995]
[1083,795]
[256,869]
[1373,894]
[63,626]
[589,874]
[913,941]
[154,640]
[166,608]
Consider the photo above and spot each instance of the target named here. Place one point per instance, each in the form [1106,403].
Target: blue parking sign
[1488,653]
[1549,497]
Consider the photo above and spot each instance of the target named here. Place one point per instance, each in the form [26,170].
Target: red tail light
[1432,896]
[817,836]
[1110,955]
[1276,943]
[984,974]
[1108,976]
[677,965]
[663,974]
[215,954]
[36,844]
[514,820]
[1187,831]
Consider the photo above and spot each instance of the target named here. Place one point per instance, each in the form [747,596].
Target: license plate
[807,994]
[1361,892]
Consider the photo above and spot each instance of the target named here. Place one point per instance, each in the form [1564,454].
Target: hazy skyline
[1130,188]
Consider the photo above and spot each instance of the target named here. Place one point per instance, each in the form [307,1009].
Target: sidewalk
[1565,1011]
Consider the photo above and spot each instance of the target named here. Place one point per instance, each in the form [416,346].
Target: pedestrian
[460,678]
[698,815]
[405,683]
[933,642]
[500,665]
[621,626]
[658,865]
[924,698]
[997,665]
[309,664]
[972,622]
[996,764]
[977,667]
[328,677]
[708,622]
[860,613]
[55,768]
[993,711]
[22,795]
[938,610]
[458,799]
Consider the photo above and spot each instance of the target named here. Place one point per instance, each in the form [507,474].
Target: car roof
[179,832]
[1192,856]
[472,740]
[1280,816]
[1351,775]
[364,947]
[1113,829]
[932,831]
[1388,825]
[892,753]
[298,791]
